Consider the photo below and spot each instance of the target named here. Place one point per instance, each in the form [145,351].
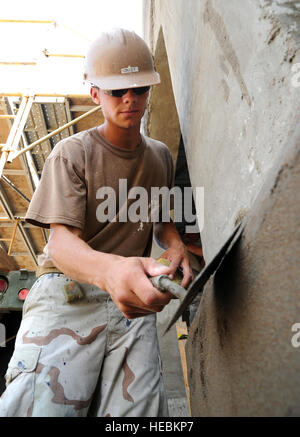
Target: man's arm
[177,253]
[125,279]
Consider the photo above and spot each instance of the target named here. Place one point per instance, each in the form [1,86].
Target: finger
[187,273]
[134,313]
[142,296]
[141,309]
[154,268]
[139,292]
[175,263]
[149,295]
[129,309]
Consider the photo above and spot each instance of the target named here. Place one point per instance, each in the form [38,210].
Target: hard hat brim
[128,80]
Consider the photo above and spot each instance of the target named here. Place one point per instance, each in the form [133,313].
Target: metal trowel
[164,283]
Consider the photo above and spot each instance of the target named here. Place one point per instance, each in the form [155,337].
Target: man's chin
[127,124]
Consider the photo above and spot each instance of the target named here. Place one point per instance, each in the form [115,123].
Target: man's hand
[167,236]
[127,282]
[125,279]
[179,258]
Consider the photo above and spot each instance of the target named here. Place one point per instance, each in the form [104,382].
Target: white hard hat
[120,59]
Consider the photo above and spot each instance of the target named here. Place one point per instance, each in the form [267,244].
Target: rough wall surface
[231,70]
[242,361]
[231,66]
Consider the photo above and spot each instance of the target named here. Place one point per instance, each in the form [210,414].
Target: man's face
[126,111]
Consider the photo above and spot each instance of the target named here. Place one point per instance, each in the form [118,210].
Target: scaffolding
[31,117]
[35,122]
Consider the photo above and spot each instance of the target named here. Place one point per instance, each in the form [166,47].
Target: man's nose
[129,96]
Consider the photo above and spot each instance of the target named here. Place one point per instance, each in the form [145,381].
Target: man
[87,344]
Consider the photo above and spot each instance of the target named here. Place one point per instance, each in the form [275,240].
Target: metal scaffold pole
[12,155]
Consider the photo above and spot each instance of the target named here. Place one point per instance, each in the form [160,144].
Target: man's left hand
[178,256]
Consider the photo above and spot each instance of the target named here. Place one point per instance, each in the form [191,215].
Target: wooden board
[182,333]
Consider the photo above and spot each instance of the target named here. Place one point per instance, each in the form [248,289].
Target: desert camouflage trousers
[82,358]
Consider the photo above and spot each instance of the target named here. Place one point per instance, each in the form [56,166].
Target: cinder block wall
[233,69]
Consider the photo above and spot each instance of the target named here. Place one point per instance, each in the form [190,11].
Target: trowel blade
[198,284]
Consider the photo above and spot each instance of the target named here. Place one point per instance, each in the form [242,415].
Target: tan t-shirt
[71,191]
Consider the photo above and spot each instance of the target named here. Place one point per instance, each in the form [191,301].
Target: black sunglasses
[119,93]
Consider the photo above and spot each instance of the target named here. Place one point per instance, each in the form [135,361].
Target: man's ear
[94,92]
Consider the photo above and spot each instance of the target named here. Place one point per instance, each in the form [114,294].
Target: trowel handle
[164,283]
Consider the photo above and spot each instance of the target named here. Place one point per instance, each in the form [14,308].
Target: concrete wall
[242,359]
[230,65]
[236,95]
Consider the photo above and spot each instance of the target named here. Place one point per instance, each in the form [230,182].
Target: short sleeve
[60,196]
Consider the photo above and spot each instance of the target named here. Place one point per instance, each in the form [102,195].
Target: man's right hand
[125,279]
[127,282]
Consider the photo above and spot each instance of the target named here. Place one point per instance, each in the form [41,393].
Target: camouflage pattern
[82,357]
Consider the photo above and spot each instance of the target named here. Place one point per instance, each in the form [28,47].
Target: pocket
[24,360]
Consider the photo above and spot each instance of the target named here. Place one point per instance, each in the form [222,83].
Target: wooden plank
[7,263]
[13,172]
[182,333]
[13,237]
[81,108]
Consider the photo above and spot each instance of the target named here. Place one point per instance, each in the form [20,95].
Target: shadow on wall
[163,122]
